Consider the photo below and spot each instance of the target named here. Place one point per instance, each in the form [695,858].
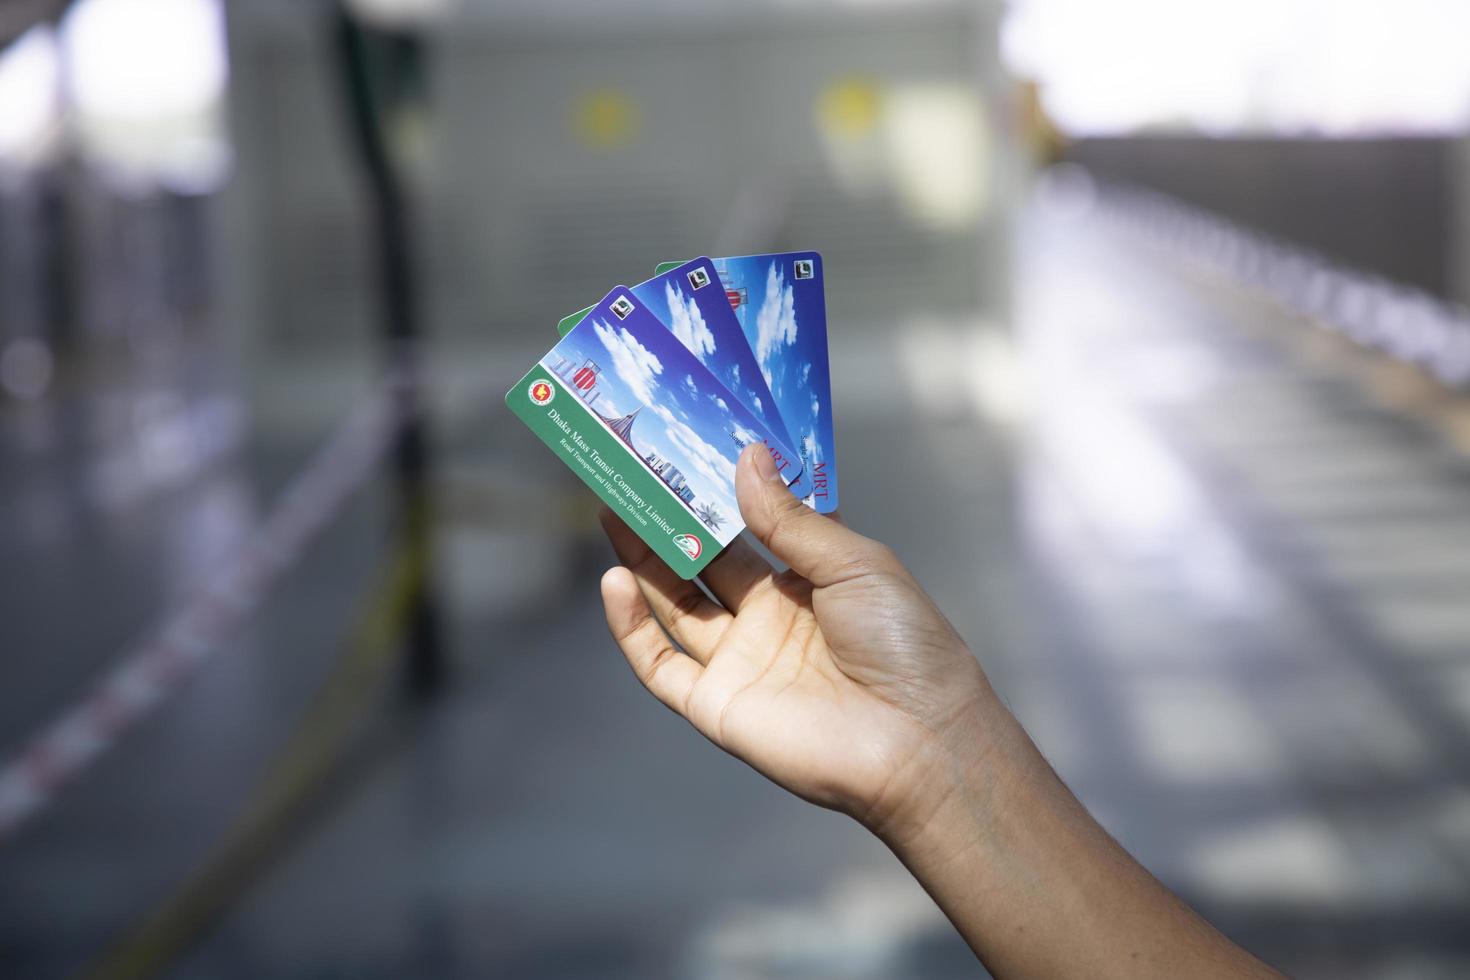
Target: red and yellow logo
[542,392]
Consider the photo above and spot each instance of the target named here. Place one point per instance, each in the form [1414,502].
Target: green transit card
[565,324]
[654,433]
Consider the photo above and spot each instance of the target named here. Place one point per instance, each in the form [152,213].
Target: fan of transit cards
[650,396]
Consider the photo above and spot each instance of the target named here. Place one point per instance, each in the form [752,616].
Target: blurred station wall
[561,151]
[1395,206]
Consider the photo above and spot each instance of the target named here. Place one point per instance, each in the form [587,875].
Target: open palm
[832,678]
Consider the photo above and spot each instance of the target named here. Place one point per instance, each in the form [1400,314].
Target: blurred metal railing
[1404,322]
[145,675]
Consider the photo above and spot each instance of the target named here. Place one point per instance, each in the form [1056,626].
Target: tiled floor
[1227,594]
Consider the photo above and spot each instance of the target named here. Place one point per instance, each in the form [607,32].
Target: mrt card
[780,305]
[642,422]
[689,300]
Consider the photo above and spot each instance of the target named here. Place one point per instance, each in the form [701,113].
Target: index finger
[690,617]
[735,573]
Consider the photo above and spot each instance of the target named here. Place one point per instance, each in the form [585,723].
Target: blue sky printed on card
[684,417]
[783,314]
[693,305]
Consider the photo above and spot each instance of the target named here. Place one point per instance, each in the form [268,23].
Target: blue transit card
[636,415]
[781,307]
[690,301]
[688,298]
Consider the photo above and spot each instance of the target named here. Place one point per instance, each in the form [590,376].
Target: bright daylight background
[1288,67]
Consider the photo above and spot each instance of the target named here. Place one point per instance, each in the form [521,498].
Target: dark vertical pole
[59,258]
[401,336]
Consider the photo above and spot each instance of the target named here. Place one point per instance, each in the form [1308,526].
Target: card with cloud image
[780,303]
[690,301]
[636,415]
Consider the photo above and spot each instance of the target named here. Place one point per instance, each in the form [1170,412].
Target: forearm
[1032,882]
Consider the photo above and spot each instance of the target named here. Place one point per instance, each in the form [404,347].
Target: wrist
[1032,882]
[959,784]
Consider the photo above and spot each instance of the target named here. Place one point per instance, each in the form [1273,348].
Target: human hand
[841,681]
[838,679]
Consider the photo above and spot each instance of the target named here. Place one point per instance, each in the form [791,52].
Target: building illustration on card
[582,380]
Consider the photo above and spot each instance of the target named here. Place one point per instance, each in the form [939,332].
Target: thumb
[817,547]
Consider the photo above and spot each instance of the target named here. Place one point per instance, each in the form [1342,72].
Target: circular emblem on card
[688,544]
[542,392]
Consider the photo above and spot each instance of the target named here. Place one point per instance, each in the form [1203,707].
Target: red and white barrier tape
[145,675]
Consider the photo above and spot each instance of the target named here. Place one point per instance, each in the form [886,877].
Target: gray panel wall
[1385,205]
[521,222]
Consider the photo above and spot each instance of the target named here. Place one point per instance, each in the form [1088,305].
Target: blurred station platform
[1222,583]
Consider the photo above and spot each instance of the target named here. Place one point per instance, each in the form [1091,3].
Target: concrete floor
[1225,591]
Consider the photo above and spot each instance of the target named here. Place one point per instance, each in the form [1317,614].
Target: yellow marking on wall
[606,118]
[849,108]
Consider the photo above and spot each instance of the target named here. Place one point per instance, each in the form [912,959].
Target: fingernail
[764,464]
